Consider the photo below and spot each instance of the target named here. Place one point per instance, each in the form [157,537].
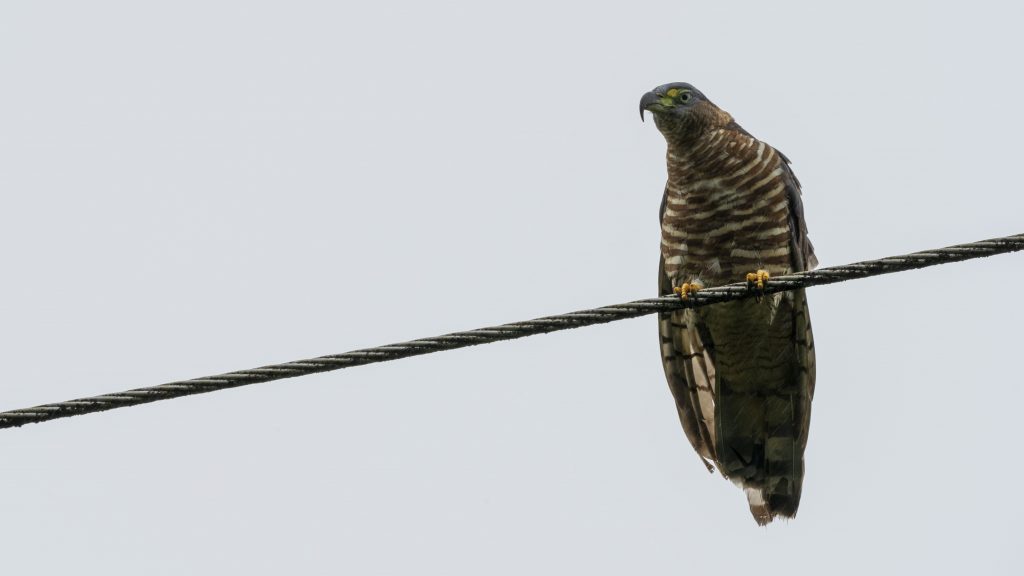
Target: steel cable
[708,296]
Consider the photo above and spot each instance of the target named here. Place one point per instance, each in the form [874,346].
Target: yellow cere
[672,93]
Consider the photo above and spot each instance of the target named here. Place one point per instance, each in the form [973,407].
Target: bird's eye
[684,97]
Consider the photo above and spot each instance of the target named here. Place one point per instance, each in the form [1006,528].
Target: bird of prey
[741,372]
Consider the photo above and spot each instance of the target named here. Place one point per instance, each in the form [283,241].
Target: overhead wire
[514,330]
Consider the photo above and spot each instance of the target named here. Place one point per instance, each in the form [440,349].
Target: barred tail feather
[761,450]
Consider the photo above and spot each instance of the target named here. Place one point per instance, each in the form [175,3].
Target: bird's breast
[726,212]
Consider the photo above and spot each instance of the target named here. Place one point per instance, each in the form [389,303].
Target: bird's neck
[688,157]
[684,132]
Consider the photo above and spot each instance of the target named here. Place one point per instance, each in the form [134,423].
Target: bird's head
[682,112]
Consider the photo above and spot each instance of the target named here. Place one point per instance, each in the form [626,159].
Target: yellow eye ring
[684,97]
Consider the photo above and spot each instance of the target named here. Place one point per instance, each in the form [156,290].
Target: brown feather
[741,373]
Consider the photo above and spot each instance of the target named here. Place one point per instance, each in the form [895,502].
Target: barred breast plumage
[742,373]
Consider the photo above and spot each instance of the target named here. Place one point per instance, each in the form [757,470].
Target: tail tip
[758,506]
[763,509]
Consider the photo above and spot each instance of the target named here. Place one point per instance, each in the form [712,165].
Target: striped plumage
[742,373]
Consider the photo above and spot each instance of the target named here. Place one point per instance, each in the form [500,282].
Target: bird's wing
[803,250]
[803,259]
[688,359]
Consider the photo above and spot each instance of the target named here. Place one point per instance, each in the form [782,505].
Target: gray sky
[196,187]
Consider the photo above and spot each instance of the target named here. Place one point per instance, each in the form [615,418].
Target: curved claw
[758,280]
[687,289]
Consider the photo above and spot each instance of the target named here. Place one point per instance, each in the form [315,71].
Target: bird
[742,373]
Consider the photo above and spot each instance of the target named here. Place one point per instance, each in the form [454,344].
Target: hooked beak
[651,101]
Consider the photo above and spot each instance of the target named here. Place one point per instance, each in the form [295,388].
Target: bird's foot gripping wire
[688,289]
[757,281]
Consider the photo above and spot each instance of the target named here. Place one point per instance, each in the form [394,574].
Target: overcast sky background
[195,187]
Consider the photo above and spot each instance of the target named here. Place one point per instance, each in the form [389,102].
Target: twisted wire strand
[708,296]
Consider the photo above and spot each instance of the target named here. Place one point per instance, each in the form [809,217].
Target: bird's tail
[762,419]
[761,447]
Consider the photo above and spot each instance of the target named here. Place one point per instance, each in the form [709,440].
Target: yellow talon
[686,289]
[758,279]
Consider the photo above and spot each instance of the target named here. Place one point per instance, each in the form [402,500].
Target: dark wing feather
[689,369]
[803,250]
